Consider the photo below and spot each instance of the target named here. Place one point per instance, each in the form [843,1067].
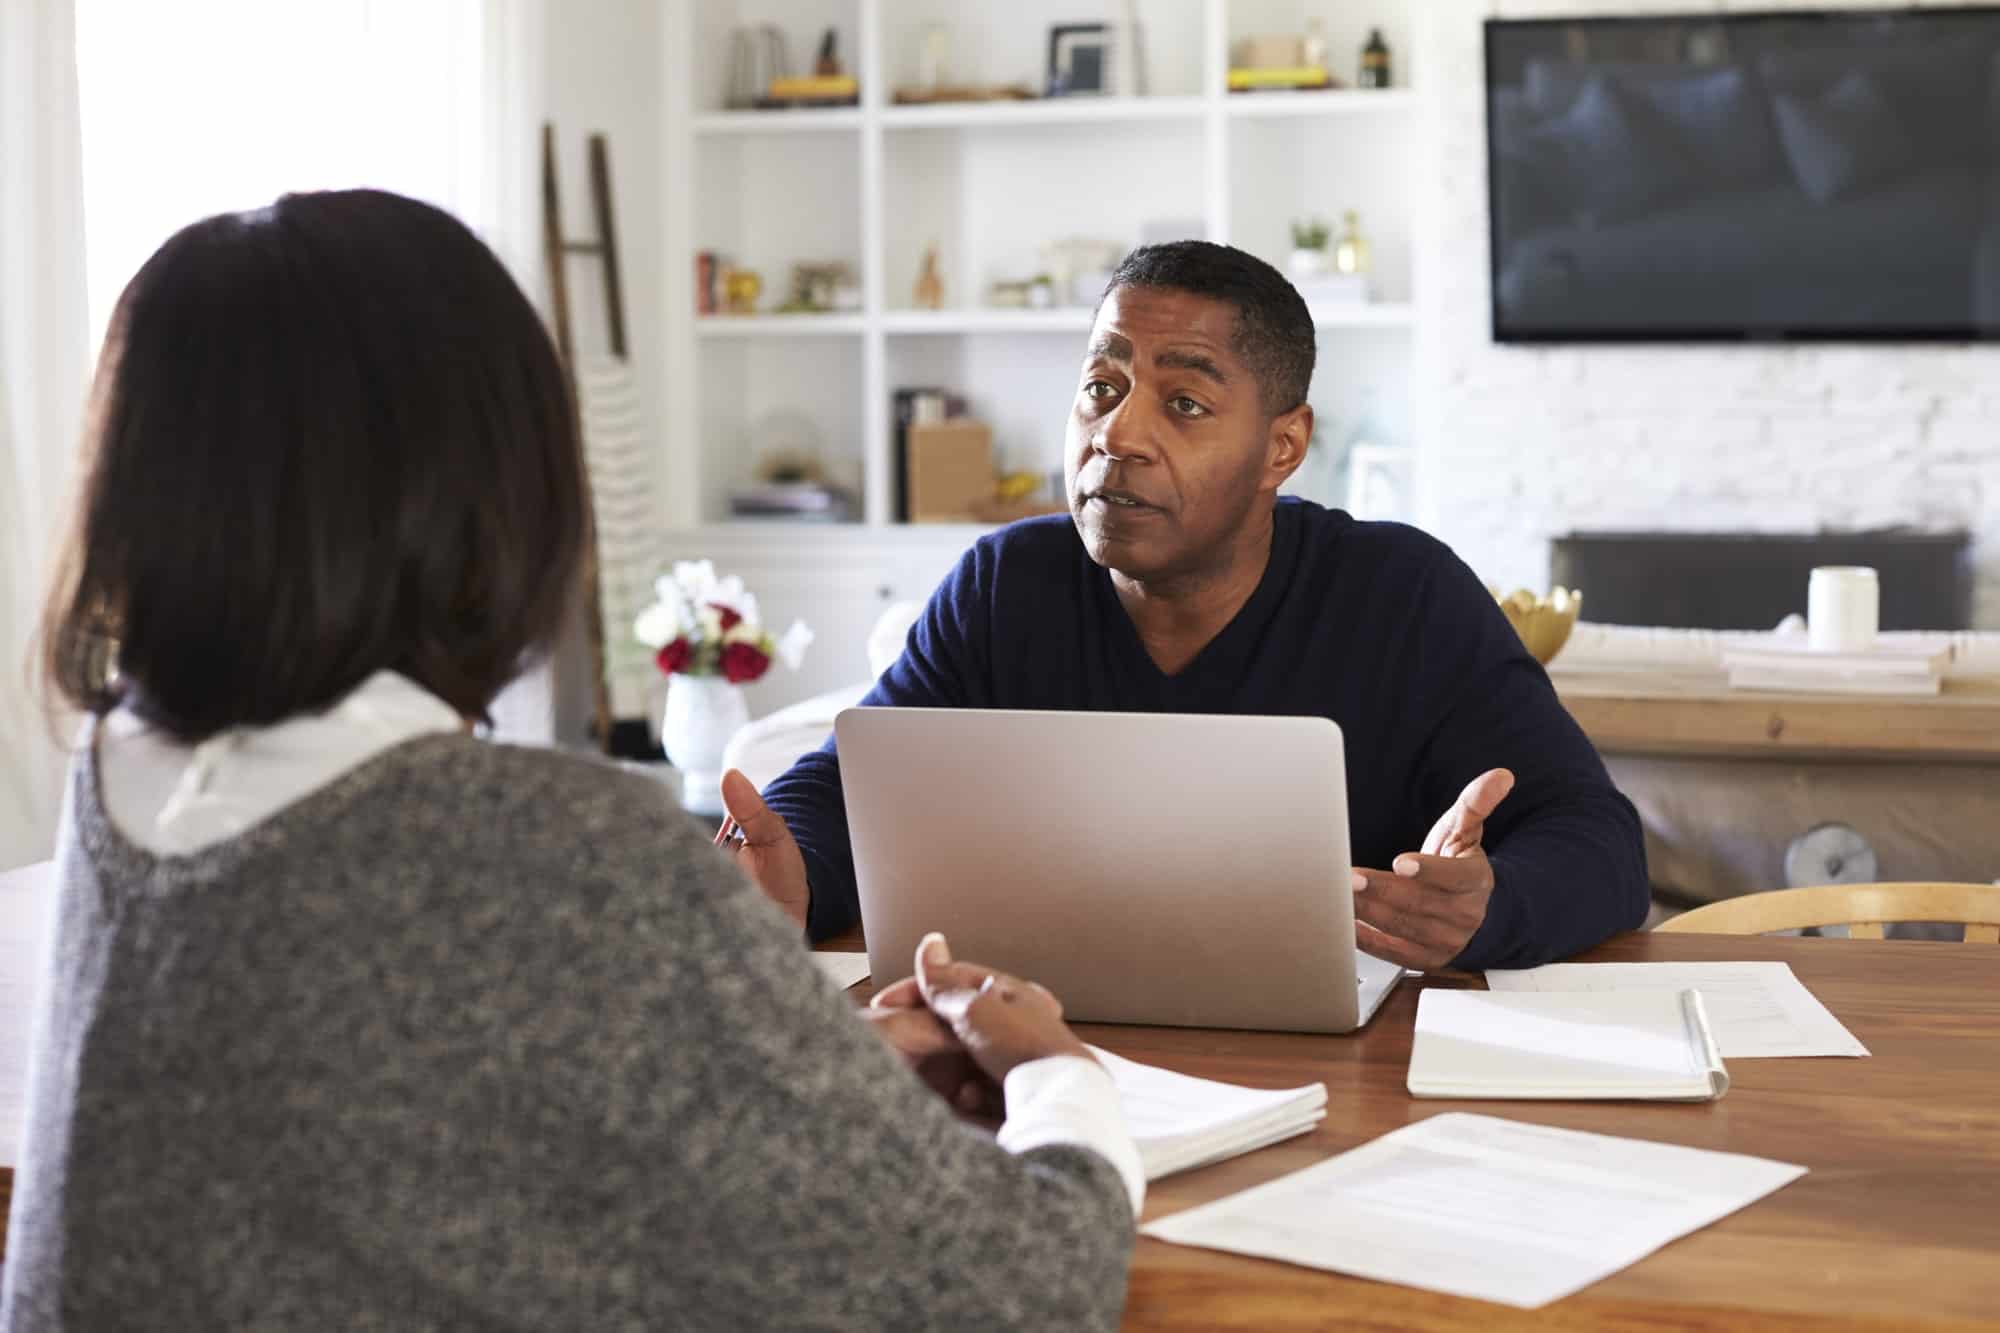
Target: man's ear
[1290,433]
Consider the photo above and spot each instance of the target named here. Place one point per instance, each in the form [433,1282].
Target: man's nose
[1127,435]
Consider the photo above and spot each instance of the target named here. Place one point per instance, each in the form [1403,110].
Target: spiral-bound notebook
[1642,1045]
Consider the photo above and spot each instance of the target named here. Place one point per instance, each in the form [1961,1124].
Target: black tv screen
[1796,175]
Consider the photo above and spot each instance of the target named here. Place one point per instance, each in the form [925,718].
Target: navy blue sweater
[1374,625]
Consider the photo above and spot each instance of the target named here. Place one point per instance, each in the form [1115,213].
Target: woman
[355,1020]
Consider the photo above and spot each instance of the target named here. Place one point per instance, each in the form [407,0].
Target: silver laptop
[1189,870]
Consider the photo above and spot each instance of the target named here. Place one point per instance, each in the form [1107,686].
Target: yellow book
[1292,76]
[821,86]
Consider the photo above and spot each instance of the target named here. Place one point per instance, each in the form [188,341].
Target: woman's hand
[963,1026]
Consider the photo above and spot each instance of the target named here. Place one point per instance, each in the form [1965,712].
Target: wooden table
[1694,712]
[1896,1226]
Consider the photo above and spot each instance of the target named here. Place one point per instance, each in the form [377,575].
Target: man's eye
[1187,407]
[1099,390]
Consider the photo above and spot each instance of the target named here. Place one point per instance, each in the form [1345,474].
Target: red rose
[730,619]
[743,662]
[674,657]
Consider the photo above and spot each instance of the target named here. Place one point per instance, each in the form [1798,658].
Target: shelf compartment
[1338,102]
[805,120]
[1045,111]
[1058,319]
[776,325]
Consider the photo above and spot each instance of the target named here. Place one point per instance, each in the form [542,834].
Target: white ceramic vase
[702,713]
[1305,263]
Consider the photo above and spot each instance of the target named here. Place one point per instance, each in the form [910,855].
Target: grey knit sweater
[488,1038]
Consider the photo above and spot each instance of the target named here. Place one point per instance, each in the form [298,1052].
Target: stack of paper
[1182,1122]
[1491,1209]
[1652,1044]
[1795,667]
[1757,1010]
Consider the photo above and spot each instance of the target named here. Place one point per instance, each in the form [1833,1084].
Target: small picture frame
[1079,60]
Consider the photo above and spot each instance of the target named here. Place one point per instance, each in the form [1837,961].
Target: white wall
[604,75]
[1526,444]
[602,69]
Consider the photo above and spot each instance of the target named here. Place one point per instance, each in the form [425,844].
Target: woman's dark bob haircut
[328,438]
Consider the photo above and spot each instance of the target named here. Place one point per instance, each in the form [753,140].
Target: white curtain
[43,352]
[189,108]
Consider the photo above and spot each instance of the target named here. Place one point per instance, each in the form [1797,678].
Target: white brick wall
[1526,444]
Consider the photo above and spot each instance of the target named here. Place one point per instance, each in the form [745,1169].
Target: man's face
[1169,448]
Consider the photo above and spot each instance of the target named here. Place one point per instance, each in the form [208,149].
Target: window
[199,106]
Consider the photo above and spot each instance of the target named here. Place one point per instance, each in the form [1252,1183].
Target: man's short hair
[1274,330]
[330,437]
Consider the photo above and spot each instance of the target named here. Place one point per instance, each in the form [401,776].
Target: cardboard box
[950,470]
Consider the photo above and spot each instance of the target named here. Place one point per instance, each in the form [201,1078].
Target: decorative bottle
[1375,61]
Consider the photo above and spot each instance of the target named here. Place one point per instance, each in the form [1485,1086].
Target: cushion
[1844,140]
[1717,113]
[1523,197]
[1609,156]
[1937,89]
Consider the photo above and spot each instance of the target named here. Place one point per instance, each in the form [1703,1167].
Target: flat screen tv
[1704,177]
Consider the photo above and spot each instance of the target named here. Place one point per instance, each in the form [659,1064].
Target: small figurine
[740,289]
[828,64]
[930,285]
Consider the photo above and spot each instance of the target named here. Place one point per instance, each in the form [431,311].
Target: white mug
[1843,608]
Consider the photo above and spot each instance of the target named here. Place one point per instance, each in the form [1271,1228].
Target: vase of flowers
[709,641]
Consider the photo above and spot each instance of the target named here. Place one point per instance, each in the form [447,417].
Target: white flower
[695,580]
[744,631]
[658,625]
[792,646]
[709,619]
[728,592]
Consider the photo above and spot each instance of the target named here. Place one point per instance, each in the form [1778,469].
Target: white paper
[1757,1010]
[1181,1122]
[1649,1044]
[1475,1206]
[842,969]
[24,901]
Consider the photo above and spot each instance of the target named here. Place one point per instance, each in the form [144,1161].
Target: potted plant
[709,641]
[1309,257]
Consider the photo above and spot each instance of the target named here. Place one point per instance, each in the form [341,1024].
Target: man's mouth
[1118,499]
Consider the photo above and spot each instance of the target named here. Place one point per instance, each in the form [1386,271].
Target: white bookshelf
[989,184]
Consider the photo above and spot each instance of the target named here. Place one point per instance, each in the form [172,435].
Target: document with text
[1756,1010]
[1476,1206]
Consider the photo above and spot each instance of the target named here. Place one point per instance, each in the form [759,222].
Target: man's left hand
[1424,913]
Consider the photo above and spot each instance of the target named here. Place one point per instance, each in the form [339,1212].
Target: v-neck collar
[1219,667]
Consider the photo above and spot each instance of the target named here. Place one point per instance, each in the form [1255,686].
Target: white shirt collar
[173,799]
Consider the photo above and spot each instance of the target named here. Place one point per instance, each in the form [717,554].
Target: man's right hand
[765,850]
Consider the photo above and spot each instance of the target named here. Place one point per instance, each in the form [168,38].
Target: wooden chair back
[1862,908]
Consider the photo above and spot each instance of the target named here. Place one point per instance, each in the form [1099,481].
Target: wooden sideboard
[1694,712]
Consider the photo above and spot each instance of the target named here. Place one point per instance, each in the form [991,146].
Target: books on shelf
[812,90]
[1181,1122]
[1652,1045]
[1899,670]
[792,499]
[1279,77]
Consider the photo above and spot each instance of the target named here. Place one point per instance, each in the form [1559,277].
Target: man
[1180,583]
